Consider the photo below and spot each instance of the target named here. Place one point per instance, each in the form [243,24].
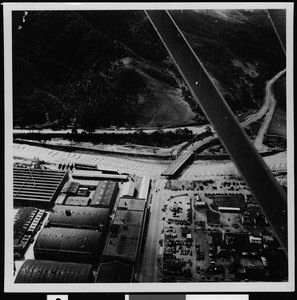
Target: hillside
[102,68]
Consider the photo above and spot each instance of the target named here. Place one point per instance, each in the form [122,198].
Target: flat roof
[44,271]
[77,201]
[131,203]
[98,175]
[128,247]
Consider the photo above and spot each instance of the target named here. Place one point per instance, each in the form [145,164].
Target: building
[229,209]
[79,217]
[145,187]
[98,175]
[105,194]
[115,272]
[37,187]
[44,271]
[68,244]
[129,188]
[77,201]
[27,221]
[70,188]
[125,237]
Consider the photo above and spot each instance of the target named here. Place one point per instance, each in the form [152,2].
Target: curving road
[267,108]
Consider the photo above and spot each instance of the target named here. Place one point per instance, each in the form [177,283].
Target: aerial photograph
[149,146]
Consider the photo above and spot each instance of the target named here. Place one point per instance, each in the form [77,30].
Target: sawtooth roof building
[44,271]
[37,187]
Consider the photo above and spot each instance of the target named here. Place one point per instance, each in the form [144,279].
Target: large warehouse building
[43,271]
[36,187]
[126,231]
[79,217]
[67,244]
[105,194]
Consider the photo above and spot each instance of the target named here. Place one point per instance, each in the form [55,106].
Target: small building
[255,240]
[229,209]
[68,244]
[85,166]
[129,188]
[61,199]
[70,188]
[115,272]
[145,187]
[44,271]
[105,194]
[97,175]
[79,217]
[200,204]
[77,201]
[37,187]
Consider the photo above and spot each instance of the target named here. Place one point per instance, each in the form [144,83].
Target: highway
[267,108]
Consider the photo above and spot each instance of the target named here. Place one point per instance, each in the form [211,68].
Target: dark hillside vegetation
[101,68]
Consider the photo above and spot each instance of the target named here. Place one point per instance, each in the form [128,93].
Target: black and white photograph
[149,147]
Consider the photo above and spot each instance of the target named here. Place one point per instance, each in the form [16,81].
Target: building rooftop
[73,216]
[104,193]
[36,186]
[77,201]
[69,239]
[44,271]
[131,203]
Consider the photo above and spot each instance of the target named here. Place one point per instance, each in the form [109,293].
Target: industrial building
[44,271]
[129,188]
[79,217]
[145,187]
[27,221]
[37,187]
[68,244]
[70,188]
[105,194]
[77,201]
[115,272]
[98,175]
[126,231]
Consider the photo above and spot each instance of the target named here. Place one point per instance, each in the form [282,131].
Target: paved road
[149,261]
[268,105]
[271,104]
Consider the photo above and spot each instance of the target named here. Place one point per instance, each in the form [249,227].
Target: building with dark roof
[26,223]
[68,244]
[105,194]
[115,272]
[126,231]
[44,271]
[98,175]
[37,187]
[79,217]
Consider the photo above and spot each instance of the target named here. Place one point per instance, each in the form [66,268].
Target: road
[271,103]
[148,272]
[267,108]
